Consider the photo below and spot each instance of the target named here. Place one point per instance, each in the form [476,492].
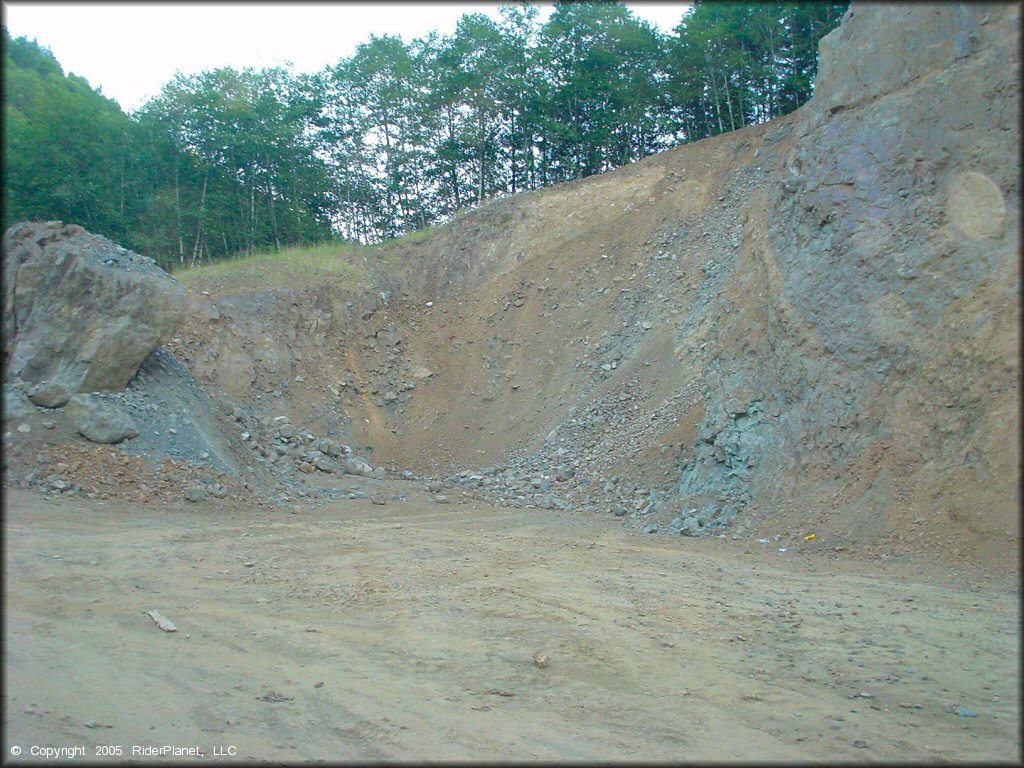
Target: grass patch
[291,267]
[339,262]
[413,237]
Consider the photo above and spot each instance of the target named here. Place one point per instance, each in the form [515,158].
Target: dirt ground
[421,631]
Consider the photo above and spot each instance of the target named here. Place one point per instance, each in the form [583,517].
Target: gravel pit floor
[423,631]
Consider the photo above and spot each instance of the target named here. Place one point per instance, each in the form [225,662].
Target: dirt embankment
[805,326]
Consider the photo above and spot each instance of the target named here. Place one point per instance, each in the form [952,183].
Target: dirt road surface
[424,631]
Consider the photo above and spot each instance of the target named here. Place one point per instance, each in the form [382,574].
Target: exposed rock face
[810,323]
[881,328]
[79,311]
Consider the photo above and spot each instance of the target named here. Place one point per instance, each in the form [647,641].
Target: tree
[246,142]
[398,136]
[65,144]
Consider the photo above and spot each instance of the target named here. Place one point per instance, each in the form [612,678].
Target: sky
[130,50]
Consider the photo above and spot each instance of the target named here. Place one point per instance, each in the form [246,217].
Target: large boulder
[100,421]
[81,313]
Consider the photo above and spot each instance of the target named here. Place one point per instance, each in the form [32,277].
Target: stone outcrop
[879,328]
[81,313]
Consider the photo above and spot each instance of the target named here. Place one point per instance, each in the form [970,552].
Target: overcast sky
[130,50]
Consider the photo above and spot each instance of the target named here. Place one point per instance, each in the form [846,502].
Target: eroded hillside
[807,326]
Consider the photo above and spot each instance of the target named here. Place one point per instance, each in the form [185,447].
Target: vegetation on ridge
[398,137]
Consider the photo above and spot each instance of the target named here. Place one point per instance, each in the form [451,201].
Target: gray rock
[420,372]
[99,421]
[326,465]
[792,402]
[687,525]
[358,466]
[195,494]
[50,395]
[80,311]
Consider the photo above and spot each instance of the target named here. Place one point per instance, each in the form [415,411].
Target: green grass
[291,267]
[338,262]
[412,237]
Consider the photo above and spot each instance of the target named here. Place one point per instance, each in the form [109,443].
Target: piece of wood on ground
[162,621]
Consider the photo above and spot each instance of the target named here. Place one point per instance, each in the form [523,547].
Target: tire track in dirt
[423,637]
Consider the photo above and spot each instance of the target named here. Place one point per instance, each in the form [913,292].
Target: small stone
[421,372]
[195,494]
[964,712]
[357,466]
[860,744]
[326,465]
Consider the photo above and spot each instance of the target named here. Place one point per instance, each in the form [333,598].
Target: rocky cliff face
[868,357]
[81,313]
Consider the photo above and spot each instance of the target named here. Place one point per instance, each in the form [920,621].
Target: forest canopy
[396,137]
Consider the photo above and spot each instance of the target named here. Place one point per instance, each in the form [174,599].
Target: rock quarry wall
[810,325]
[840,287]
[870,357]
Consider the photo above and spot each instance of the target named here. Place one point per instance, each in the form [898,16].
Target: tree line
[398,136]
